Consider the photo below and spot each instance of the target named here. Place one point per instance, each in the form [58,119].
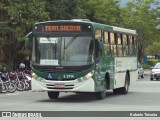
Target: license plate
[59,85]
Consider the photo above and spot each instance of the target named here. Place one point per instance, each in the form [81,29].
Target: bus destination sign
[62,28]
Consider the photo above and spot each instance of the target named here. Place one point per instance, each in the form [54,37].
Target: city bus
[81,56]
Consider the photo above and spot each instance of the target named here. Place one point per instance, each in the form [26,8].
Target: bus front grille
[50,86]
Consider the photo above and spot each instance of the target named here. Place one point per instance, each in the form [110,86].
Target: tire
[30,87]
[27,86]
[151,79]
[102,94]
[20,86]
[125,89]
[11,87]
[142,76]
[53,95]
[3,88]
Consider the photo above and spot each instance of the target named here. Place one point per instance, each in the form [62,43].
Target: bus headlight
[37,77]
[89,75]
[33,74]
[86,77]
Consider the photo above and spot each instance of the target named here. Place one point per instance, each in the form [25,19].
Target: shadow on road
[79,97]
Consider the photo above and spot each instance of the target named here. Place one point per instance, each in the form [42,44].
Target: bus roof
[97,25]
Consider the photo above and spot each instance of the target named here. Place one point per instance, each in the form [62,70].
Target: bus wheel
[102,94]
[124,90]
[53,95]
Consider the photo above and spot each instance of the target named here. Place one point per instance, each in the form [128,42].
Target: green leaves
[103,11]
[140,15]
[18,16]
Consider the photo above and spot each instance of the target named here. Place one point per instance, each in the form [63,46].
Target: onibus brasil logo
[21,114]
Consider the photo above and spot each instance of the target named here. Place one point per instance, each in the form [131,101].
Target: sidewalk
[147,72]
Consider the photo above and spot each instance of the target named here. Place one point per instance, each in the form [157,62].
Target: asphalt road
[144,95]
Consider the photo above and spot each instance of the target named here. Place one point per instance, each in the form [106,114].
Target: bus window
[131,46]
[106,40]
[98,35]
[98,50]
[119,45]
[107,44]
[134,44]
[113,44]
[98,45]
[107,49]
[125,46]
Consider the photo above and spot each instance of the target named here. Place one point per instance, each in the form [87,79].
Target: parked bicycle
[6,79]
[20,85]
[3,85]
[26,79]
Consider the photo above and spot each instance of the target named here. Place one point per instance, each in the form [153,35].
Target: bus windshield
[64,51]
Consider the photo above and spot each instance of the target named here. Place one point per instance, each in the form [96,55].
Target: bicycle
[26,79]
[3,85]
[11,87]
[20,85]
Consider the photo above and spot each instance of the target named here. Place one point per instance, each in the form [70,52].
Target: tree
[140,16]
[61,9]
[103,11]
[17,18]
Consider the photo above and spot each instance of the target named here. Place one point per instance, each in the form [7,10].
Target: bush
[152,62]
[146,66]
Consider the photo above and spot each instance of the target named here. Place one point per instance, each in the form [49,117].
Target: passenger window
[125,45]
[113,44]
[107,47]
[119,45]
[98,45]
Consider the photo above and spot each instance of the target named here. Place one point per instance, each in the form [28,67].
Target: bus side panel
[105,66]
[133,76]
[122,64]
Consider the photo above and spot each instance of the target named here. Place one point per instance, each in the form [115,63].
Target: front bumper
[68,86]
[155,76]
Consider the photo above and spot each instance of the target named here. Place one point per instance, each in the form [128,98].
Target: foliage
[103,11]
[152,62]
[140,16]
[146,66]
[61,9]
[18,16]
[153,48]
